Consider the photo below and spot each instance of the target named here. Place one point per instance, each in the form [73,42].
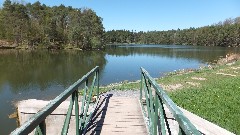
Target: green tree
[36,24]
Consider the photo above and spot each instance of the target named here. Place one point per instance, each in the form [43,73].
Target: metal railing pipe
[37,118]
[182,120]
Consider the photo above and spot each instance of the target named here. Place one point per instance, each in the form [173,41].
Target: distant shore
[55,47]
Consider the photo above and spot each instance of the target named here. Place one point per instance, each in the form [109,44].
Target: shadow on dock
[101,110]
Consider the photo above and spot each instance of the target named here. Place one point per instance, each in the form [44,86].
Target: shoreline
[229,60]
[8,46]
[11,46]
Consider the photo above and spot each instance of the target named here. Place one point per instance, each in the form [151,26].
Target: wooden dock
[114,115]
[118,116]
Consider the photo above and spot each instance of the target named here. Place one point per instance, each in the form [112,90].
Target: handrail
[37,120]
[155,108]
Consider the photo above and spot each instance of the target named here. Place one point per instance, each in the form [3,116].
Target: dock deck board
[118,115]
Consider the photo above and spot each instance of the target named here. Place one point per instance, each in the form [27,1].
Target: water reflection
[40,75]
[201,53]
[21,69]
[44,74]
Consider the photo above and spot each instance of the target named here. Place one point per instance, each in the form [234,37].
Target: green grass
[216,99]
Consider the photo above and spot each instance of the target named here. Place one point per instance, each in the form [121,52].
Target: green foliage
[224,34]
[37,24]
[119,36]
[95,42]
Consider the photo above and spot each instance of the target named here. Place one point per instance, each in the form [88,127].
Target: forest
[50,27]
[225,34]
[39,26]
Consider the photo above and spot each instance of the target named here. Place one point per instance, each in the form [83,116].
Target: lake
[45,74]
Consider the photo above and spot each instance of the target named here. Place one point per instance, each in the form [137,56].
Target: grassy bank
[212,93]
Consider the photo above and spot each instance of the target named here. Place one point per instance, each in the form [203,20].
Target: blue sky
[144,15]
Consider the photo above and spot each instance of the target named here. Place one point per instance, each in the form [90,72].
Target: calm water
[45,74]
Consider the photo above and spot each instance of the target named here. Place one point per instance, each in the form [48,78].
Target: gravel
[125,93]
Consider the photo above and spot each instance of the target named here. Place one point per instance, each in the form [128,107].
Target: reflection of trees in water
[42,68]
[204,54]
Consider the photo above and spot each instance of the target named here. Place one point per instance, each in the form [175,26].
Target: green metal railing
[154,110]
[82,119]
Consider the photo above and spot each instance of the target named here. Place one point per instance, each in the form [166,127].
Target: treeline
[226,33]
[58,26]
[38,25]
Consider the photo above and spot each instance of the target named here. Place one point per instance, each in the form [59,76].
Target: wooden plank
[118,115]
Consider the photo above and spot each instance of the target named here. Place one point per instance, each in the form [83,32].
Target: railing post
[155,125]
[97,75]
[85,118]
[81,122]
[76,112]
[68,117]
[151,102]
[148,105]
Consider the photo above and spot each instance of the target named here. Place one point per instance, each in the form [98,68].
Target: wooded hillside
[226,33]
[59,26]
